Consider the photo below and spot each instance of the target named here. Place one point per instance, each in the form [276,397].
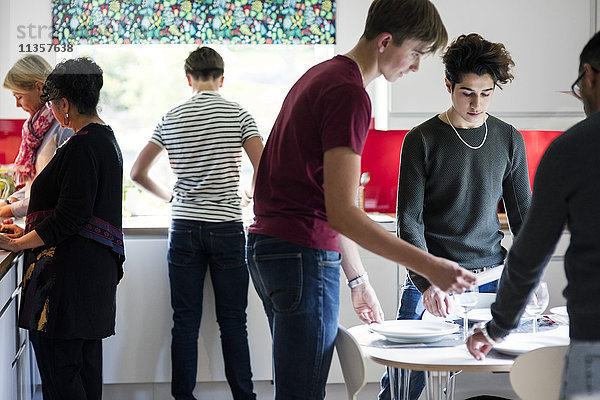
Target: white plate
[519,343]
[485,314]
[378,217]
[410,331]
[484,300]
[416,339]
[561,310]
[480,315]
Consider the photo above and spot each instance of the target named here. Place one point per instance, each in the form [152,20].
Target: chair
[351,361]
[537,375]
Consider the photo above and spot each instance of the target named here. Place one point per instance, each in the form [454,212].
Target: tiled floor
[219,391]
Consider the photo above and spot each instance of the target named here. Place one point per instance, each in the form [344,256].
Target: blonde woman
[41,134]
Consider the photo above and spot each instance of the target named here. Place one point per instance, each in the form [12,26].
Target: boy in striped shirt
[204,138]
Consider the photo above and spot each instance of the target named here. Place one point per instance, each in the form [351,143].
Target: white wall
[544,37]
[22,22]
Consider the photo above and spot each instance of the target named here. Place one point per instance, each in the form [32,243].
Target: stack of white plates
[414,331]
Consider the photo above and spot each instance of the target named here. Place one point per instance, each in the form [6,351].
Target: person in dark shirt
[73,240]
[565,192]
[454,169]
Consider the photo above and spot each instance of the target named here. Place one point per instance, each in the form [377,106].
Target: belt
[478,270]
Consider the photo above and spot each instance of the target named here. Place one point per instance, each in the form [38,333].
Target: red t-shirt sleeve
[346,118]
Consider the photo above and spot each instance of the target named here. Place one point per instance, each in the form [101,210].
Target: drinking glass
[538,302]
[464,303]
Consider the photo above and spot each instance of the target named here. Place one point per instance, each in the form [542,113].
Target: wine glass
[465,302]
[537,303]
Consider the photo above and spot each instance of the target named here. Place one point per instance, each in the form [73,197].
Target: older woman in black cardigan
[73,240]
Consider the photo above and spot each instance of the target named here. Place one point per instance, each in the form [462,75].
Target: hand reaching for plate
[436,302]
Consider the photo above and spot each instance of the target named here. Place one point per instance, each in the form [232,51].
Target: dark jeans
[299,288]
[71,369]
[411,307]
[193,248]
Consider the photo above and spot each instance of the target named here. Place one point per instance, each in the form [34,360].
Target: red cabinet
[10,139]
[381,158]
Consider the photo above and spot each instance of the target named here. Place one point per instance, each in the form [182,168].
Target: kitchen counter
[6,258]
[160,224]
[146,225]
[15,358]
[389,221]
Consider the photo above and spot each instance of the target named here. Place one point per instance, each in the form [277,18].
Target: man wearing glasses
[565,191]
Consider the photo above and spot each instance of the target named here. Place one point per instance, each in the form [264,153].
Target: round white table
[440,364]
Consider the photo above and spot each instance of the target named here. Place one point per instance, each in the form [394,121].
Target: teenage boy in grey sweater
[454,170]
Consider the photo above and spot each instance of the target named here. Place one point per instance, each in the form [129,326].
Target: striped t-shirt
[203,138]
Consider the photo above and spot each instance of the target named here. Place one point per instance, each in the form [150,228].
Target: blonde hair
[26,72]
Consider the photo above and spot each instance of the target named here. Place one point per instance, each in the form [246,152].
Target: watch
[359,280]
[8,202]
[483,328]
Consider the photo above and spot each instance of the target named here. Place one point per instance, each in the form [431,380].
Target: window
[143,82]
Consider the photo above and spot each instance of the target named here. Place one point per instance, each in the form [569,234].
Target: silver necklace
[462,140]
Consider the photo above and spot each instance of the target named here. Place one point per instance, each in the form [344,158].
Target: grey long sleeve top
[566,191]
[448,193]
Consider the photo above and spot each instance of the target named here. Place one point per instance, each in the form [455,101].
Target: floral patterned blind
[193,21]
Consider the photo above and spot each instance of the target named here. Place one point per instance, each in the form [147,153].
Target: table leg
[393,377]
[436,388]
[428,386]
[451,384]
[405,373]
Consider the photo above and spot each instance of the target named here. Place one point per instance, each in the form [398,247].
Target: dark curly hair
[78,80]
[591,52]
[473,54]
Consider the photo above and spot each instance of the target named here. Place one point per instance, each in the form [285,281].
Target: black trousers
[70,369]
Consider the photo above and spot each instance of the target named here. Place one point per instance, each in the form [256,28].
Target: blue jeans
[581,372]
[299,288]
[411,307]
[194,247]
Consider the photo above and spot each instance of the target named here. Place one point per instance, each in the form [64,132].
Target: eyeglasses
[48,103]
[575,88]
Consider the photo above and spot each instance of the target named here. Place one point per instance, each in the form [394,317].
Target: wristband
[359,280]
[483,328]
[7,201]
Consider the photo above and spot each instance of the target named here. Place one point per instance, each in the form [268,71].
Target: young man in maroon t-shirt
[306,218]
